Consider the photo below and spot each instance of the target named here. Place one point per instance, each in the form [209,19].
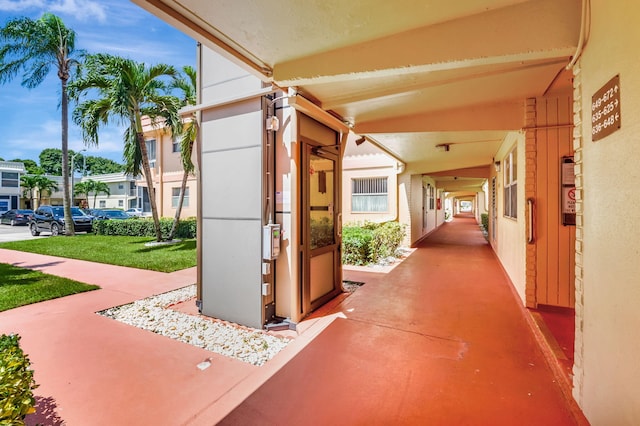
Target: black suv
[51,219]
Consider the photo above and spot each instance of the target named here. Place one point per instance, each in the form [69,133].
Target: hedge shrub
[386,239]
[371,242]
[16,382]
[356,245]
[484,218]
[144,227]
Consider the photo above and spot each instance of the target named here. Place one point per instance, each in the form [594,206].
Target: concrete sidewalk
[92,370]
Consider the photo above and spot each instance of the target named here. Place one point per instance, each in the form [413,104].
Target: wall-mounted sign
[605,110]
[568,186]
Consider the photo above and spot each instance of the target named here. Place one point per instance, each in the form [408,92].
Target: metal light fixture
[360,141]
[443,146]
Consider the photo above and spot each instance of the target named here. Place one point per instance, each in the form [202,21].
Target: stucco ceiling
[409,74]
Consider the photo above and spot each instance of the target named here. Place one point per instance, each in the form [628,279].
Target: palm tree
[34,47]
[97,188]
[83,188]
[41,183]
[190,131]
[46,185]
[90,185]
[124,90]
[29,183]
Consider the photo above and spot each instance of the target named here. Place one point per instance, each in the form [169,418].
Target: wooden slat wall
[555,242]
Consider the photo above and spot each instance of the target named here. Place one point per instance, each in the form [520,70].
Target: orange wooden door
[555,242]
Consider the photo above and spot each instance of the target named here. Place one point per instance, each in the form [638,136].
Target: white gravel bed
[245,344]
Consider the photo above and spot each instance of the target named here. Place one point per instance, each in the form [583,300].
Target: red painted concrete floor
[440,339]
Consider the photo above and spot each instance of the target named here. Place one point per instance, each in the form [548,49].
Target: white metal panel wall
[223,79]
[232,170]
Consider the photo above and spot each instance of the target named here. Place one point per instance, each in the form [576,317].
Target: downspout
[584,35]
[199,178]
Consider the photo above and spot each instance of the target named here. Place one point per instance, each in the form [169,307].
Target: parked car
[51,219]
[109,214]
[135,212]
[16,217]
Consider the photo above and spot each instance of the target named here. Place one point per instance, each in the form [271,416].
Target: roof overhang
[409,75]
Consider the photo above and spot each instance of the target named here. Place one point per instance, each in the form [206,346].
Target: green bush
[16,382]
[144,227]
[371,242]
[484,218]
[387,237]
[356,245]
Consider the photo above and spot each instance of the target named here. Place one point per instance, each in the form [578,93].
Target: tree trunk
[147,174]
[66,199]
[176,219]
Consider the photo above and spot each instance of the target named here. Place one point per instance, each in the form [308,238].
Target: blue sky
[30,118]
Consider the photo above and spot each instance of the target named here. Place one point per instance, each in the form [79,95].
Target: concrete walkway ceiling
[410,75]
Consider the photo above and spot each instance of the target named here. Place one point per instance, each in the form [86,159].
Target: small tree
[98,188]
[123,90]
[37,184]
[89,186]
[34,47]
[82,188]
[190,132]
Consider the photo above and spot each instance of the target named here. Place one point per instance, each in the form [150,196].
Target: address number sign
[605,110]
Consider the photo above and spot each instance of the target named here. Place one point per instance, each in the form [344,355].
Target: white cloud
[82,10]
[20,5]
[29,142]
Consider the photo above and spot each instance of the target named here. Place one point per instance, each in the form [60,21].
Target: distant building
[167,172]
[10,192]
[124,192]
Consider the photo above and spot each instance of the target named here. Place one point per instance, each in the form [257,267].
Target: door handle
[339,224]
[531,210]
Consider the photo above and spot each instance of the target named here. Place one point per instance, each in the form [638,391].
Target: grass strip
[19,287]
[114,250]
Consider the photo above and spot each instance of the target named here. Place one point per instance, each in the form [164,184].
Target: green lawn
[114,250]
[20,286]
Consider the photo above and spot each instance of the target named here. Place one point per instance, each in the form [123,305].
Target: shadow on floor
[46,414]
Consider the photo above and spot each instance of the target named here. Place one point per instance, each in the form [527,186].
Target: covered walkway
[440,340]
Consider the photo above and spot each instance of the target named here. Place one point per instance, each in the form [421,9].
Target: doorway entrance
[321,264]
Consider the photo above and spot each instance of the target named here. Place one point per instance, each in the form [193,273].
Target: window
[10,180]
[121,186]
[175,146]
[431,193]
[511,184]
[175,197]
[369,195]
[103,204]
[120,203]
[151,151]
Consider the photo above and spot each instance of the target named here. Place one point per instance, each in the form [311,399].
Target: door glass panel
[321,198]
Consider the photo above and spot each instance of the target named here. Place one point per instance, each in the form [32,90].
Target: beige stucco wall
[410,200]
[287,172]
[369,166]
[174,180]
[510,243]
[607,383]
